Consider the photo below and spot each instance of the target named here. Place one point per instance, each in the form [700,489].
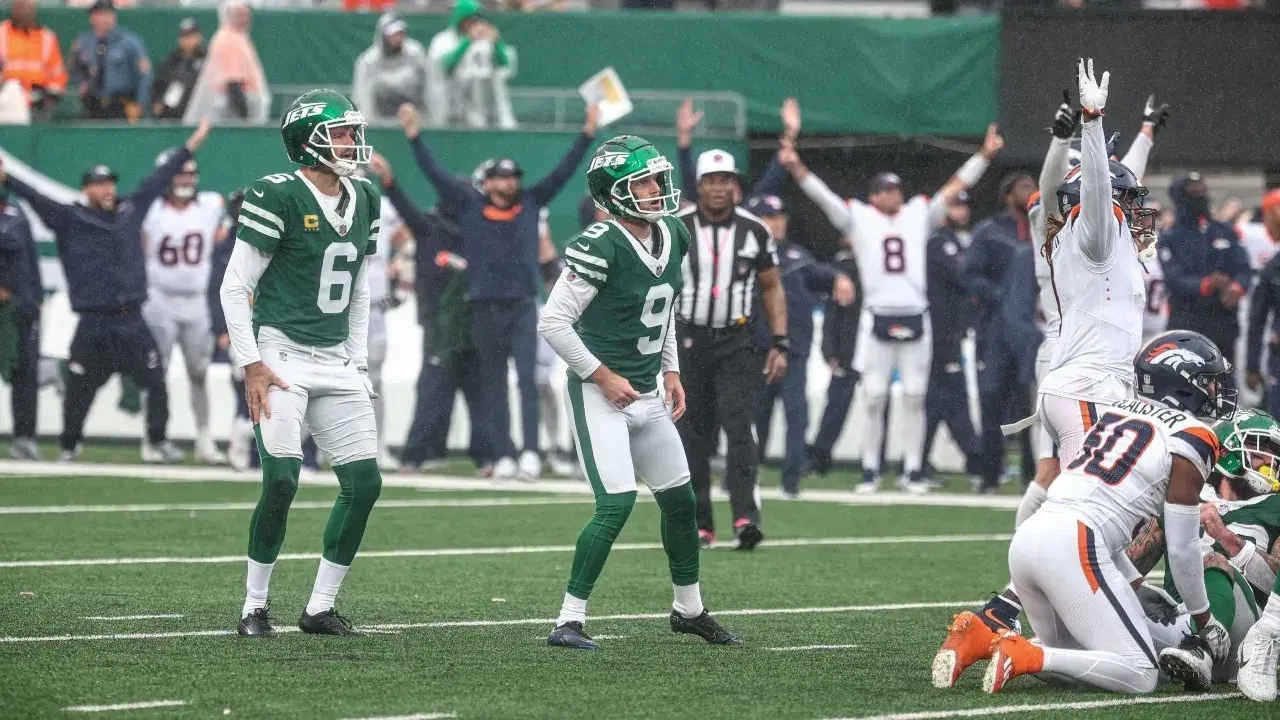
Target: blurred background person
[1206,269]
[176,77]
[233,85]
[470,65]
[29,55]
[110,67]
[804,281]
[21,294]
[390,73]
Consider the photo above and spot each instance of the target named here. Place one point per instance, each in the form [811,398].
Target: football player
[889,237]
[178,237]
[392,235]
[300,249]
[1240,522]
[610,318]
[1142,458]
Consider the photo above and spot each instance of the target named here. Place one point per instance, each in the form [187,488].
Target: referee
[719,362]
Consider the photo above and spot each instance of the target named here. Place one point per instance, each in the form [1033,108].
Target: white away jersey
[1155,318]
[1044,274]
[891,255]
[179,243]
[1120,479]
[1257,243]
[376,264]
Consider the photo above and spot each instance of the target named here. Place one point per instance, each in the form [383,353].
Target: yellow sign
[311,222]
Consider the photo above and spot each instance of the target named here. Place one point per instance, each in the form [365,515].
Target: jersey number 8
[1111,450]
[895,260]
[331,277]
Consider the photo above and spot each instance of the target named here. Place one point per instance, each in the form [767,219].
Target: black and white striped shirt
[721,267]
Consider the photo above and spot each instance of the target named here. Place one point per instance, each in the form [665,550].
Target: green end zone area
[465,591]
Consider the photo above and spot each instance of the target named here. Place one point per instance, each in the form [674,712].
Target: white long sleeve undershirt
[831,204]
[357,343]
[566,303]
[243,272]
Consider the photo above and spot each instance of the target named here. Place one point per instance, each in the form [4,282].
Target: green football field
[124,591]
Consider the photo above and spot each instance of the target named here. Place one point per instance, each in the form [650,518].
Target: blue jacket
[127,71]
[1264,314]
[1190,251]
[501,245]
[19,259]
[101,251]
[952,309]
[995,241]
[804,279]
[1019,337]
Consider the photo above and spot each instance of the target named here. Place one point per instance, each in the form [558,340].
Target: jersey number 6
[331,277]
[1111,450]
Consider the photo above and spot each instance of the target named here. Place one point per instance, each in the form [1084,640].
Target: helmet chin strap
[340,167]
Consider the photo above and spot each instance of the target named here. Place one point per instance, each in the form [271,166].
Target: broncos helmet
[181,191]
[1128,193]
[1185,370]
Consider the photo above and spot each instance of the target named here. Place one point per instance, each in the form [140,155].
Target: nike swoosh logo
[584,246]
[346,362]
[255,192]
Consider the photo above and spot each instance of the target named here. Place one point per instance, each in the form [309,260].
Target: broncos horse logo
[1173,356]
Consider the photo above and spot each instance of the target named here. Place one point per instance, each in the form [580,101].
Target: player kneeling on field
[1067,560]
[300,247]
[610,317]
[1240,522]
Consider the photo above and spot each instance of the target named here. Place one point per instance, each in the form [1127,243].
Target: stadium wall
[881,76]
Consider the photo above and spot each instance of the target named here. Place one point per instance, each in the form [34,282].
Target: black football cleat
[256,624]
[328,622]
[705,627]
[1189,663]
[749,536]
[570,635]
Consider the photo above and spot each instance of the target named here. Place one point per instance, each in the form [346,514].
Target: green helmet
[307,131]
[1250,438]
[617,164]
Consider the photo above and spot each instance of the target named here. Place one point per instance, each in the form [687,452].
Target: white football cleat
[504,469]
[166,453]
[207,452]
[386,461]
[1259,651]
[561,464]
[239,444]
[530,468]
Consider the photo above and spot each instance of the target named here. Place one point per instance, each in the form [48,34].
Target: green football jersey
[316,253]
[626,324]
[1256,520]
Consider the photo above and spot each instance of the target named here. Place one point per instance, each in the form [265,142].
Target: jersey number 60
[1103,455]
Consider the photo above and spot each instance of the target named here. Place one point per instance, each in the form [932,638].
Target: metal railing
[561,110]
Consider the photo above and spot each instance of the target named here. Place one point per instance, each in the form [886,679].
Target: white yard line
[799,648]
[417,716]
[296,505]
[505,623]
[1048,707]
[179,474]
[525,550]
[126,706]
[170,616]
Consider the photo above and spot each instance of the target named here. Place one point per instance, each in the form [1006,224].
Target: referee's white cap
[716,161]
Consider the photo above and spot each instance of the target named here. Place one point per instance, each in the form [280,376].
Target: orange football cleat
[1012,656]
[968,641]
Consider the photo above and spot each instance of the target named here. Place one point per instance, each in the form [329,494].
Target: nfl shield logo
[342,229]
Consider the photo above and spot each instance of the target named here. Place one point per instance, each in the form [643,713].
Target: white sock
[1105,670]
[256,581]
[328,580]
[874,435]
[573,609]
[688,600]
[914,427]
[1032,499]
[200,407]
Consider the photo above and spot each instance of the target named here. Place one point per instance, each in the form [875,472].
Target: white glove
[1217,638]
[1093,96]
[368,382]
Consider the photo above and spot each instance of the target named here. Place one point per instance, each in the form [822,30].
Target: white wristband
[973,169]
[1246,553]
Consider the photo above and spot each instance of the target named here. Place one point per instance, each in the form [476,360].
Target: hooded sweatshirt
[383,79]
[461,11]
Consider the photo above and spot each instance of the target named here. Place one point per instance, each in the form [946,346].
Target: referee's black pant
[105,344]
[720,371]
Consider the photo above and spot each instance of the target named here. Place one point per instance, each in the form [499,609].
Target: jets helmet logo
[304,110]
[607,160]
[1173,356]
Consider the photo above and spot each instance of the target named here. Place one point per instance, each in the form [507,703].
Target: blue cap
[766,205]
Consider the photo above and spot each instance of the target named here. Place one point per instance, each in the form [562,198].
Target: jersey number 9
[655,314]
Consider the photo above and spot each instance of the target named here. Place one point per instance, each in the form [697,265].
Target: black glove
[1157,115]
[1066,120]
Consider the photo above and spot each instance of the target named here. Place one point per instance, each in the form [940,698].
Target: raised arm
[551,185]
[1153,118]
[453,190]
[156,182]
[686,122]
[966,177]
[831,204]
[51,212]
[1096,220]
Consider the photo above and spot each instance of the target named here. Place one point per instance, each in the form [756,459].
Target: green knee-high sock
[279,485]
[1222,597]
[361,484]
[596,540]
[680,532]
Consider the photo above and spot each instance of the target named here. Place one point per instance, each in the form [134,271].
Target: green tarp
[933,76]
